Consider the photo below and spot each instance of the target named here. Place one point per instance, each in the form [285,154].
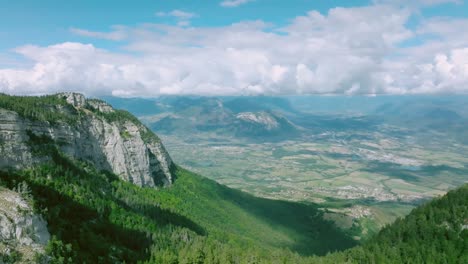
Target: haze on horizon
[234,47]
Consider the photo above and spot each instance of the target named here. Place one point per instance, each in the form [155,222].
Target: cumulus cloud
[345,51]
[445,73]
[234,3]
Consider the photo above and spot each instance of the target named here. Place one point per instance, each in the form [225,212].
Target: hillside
[96,216]
[436,232]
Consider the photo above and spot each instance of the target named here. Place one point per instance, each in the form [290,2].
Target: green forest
[97,218]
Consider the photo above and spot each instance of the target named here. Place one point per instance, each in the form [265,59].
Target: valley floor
[363,181]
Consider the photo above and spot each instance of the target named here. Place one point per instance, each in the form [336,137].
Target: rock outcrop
[92,131]
[21,230]
[265,119]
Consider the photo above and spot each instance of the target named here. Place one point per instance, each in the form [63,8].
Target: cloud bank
[365,50]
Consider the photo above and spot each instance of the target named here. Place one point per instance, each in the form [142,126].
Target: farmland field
[366,182]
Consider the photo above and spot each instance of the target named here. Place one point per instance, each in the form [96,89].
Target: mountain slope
[85,129]
[105,219]
[436,232]
[96,216]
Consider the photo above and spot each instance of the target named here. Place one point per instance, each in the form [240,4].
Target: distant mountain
[232,117]
[259,103]
[264,124]
[137,106]
[302,115]
[442,116]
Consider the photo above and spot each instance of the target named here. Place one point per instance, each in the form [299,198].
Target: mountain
[259,103]
[234,104]
[77,158]
[419,113]
[239,117]
[137,106]
[94,215]
[86,129]
[264,124]
[426,114]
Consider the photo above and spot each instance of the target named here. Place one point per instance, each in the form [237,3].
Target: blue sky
[112,30]
[48,21]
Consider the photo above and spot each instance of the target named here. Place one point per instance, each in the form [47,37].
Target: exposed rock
[100,106]
[75,99]
[20,229]
[262,118]
[124,146]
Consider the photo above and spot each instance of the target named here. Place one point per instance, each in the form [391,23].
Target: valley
[234,132]
[364,167]
[314,198]
[371,181]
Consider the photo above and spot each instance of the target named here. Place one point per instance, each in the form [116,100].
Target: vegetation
[96,218]
[433,233]
[49,108]
[54,109]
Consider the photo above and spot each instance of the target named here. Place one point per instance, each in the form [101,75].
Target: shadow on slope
[82,211]
[226,212]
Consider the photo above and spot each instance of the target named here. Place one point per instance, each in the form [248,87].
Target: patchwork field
[363,182]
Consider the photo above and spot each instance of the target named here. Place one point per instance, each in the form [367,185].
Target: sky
[149,48]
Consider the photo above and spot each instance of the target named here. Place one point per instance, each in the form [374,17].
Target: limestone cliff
[84,129]
[22,232]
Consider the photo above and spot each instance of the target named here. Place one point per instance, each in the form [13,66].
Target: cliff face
[20,229]
[88,130]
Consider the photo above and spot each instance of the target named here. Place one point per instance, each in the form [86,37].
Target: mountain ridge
[87,129]
[97,216]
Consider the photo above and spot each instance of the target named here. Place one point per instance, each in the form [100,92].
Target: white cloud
[446,73]
[178,14]
[346,51]
[417,3]
[234,3]
[116,35]
[183,18]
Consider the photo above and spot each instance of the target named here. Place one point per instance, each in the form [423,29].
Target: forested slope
[436,232]
[96,217]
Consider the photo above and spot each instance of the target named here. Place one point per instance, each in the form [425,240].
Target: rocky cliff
[85,129]
[23,234]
